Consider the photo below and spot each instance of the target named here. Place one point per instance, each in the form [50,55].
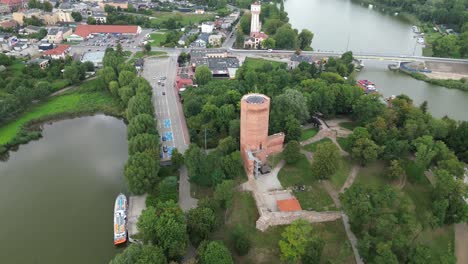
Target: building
[85,31]
[183,81]
[32,29]
[19,16]
[64,16]
[100,17]
[123,4]
[215,40]
[182,40]
[8,24]
[207,27]
[255,24]
[199,10]
[59,52]
[58,34]
[41,62]
[201,41]
[255,144]
[14,4]
[95,57]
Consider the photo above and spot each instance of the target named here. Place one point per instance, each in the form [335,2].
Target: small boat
[120,219]
[367,86]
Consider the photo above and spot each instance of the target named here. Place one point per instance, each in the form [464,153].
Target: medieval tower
[255,25]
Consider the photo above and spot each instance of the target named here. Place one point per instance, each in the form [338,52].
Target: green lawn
[157,38]
[314,197]
[439,240]
[255,63]
[344,143]
[312,147]
[338,179]
[337,247]
[141,54]
[68,103]
[296,174]
[348,125]
[372,175]
[274,159]
[308,133]
[59,84]
[184,18]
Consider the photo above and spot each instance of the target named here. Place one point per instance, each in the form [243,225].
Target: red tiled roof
[288,205]
[8,24]
[85,30]
[181,82]
[258,35]
[11,2]
[57,51]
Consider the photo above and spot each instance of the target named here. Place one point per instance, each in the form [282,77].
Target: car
[162,84]
[89,49]
[165,148]
[270,50]
[163,78]
[163,93]
[163,138]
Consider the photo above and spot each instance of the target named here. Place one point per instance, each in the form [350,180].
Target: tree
[445,46]
[203,75]
[139,104]
[365,150]
[72,73]
[449,206]
[168,189]
[272,25]
[47,6]
[224,192]
[286,37]
[294,240]
[91,20]
[213,252]
[305,39]
[126,77]
[107,74]
[177,159]
[395,170]
[313,251]
[240,240]
[140,254]
[144,143]
[147,48]
[126,93]
[289,104]
[141,124]
[164,226]
[200,223]
[244,24]
[77,16]
[292,129]
[269,43]
[232,165]
[425,151]
[367,108]
[141,172]
[292,152]
[326,160]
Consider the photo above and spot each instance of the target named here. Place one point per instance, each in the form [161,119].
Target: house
[221,64]
[182,40]
[58,34]
[46,46]
[199,10]
[41,62]
[123,4]
[100,17]
[32,29]
[64,16]
[4,9]
[255,40]
[49,18]
[183,81]
[295,60]
[8,24]
[60,52]
[193,32]
[201,41]
[215,40]
[95,57]
[207,27]
[249,43]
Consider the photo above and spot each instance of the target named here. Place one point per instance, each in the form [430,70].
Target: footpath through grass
[312,147]
[74,102]
[183,19]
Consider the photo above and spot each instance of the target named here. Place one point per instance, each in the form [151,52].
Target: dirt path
[461,243]
[351,177]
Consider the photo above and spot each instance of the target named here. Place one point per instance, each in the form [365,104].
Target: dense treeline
[20,84]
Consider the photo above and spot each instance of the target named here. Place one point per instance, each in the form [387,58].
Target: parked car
[165,148]
[163,138]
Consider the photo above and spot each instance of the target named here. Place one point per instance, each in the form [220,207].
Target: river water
[57,193]
[338,24]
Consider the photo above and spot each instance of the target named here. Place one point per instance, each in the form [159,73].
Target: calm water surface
[57,193]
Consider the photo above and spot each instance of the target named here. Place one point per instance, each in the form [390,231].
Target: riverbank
[461,84]
[83,101]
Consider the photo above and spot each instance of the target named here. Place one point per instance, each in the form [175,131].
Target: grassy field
[141,54]
[184,18]
[67,103]
[312,147]
[308,133]
[264,245]
[314,197]
[344,143]
[372,175]
[338,179]
[255,63]
[59,84]
[348,125]
[157,38]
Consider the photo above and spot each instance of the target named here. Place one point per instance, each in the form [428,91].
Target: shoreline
[32,130]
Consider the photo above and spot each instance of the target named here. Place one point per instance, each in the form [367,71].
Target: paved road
[171,121]
[186,202]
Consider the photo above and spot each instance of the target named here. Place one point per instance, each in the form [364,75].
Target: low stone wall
[284,218]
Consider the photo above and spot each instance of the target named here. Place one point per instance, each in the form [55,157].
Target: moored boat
[120,219]
[367,86]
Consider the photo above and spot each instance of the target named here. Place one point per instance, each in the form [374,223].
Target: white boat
[120,219]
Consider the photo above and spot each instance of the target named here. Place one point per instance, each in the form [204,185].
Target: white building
[207,27]
[255,25]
